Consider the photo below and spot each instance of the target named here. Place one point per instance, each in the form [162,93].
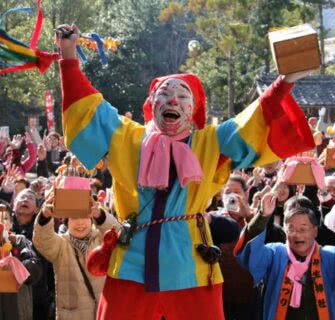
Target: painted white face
[173,107]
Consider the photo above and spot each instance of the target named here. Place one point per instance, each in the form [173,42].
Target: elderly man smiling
[299,275]
[164,174]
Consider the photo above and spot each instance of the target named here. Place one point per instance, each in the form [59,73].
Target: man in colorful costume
[161,273]
[299,275]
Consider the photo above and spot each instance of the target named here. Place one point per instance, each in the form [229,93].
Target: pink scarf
[155,160]
[295,273]
[19,270]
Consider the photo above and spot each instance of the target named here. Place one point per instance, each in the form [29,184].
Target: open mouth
[24,205]
[171,114]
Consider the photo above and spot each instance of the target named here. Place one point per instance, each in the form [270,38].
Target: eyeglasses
[291,231]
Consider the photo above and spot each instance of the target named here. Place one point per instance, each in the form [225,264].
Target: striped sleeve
[89,121]
[272,128]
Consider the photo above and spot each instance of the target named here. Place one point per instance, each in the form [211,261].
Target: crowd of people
[51,249]
[190,207]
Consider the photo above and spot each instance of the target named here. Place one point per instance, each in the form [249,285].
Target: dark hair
[24,181]
[239,179]
[55,135]
[292,189]
[300,205]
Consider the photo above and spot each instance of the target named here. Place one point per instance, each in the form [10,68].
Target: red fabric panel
[127,300]
[289,130]
[75,85]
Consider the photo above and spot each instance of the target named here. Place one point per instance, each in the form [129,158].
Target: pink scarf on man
[155,160]
[295,273]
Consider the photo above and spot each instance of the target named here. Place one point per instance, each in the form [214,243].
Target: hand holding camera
[231,202]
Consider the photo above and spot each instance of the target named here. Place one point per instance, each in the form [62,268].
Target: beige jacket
[73,301]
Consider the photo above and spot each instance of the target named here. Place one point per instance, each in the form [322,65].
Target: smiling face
[80,228]
[301,234]
[173,107]
[283,192]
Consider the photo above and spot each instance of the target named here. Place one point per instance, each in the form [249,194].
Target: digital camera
[230,202]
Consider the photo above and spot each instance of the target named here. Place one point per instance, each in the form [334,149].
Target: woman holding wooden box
[77,292]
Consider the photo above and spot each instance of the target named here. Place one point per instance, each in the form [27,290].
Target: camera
[210,254]
[230,202]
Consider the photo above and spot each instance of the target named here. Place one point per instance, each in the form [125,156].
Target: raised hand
[268,204]
[66,39]
[16,141]
[27,137]
[41,152]
[95,210]
[8,184]
[47,208]
[293,77]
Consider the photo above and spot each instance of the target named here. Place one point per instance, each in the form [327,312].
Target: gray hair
[300,211]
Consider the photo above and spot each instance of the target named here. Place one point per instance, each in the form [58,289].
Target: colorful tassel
[18,56]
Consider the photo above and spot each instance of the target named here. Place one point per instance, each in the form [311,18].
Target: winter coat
[73,300]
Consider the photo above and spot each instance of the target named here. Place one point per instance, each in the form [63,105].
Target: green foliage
[155,35]
[234,35]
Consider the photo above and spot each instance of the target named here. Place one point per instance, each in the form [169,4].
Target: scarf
[80,244]
[156,156]
[295,273]
[290,290]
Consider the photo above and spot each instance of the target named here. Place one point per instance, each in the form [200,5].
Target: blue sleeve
[256,257]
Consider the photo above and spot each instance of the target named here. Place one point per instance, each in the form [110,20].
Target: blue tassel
[13,10]
[100,46]
[81,54]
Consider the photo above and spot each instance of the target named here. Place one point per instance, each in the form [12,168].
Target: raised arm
[251,251]
[46,241]
[28,163]
[91,125]
[255,136]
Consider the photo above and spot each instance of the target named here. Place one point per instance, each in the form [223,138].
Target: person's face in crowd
[233,198]
[301,234]
[25,207]
[234,187]
[282,192]
[173,107]
[19,186]
[129,115]
[79,228]
[54,141]
[330,185]
[5,218]
[271,168]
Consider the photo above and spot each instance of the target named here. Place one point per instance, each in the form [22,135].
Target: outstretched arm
[255,136]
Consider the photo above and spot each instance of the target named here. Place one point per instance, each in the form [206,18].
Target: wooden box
[295,49]
[302,175]
[72,198]
[329,158]
[8,283]
[72,203]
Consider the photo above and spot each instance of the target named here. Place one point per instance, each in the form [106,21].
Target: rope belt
[159,221]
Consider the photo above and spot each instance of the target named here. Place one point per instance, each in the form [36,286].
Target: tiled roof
[318,90]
